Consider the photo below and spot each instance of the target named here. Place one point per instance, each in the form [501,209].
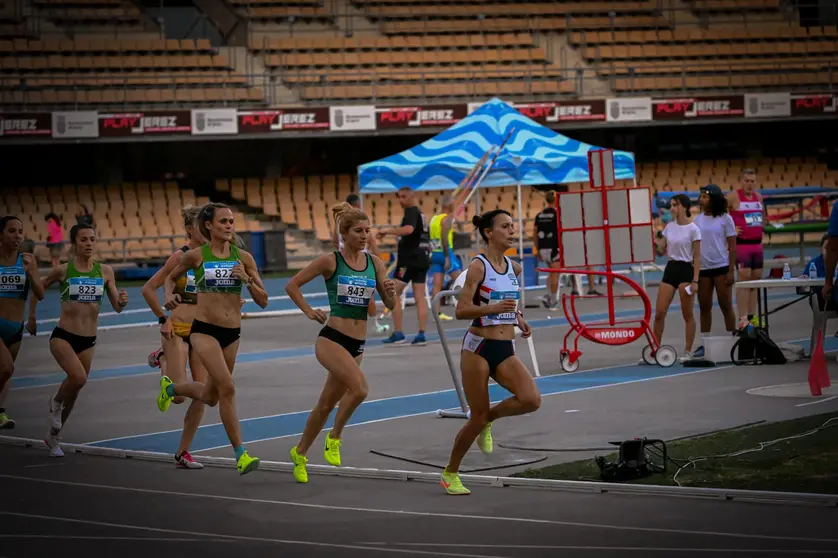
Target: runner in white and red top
[748,212]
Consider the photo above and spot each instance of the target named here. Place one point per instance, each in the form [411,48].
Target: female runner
[681,242]
[83,283]
[352,276]
[221,268]
[18,275]
[490,298]
[175,331]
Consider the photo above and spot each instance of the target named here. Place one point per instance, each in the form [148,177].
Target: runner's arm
[389,300]
[30,265]
[158,280]
[325,265]
[254,286]
[119,299]
[190,260]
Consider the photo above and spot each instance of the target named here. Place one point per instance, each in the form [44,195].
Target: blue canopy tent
[534,155]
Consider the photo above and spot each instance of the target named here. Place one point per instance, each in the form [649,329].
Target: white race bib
[12,281]
[190,288]
[86,289]
[753,219]
[355,291]
[497,296]
[220,274]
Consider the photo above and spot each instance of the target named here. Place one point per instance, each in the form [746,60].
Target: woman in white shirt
[681,242]
[718,259]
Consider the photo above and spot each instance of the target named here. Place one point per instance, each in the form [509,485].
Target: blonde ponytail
[346,217]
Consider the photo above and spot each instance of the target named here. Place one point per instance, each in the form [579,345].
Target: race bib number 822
[220,274]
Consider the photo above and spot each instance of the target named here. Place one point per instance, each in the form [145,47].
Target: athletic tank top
[494,288]
[350,290]
[185,285]
[215,274]
[749,217]
[436,233]
[547,227]
[80,286]
[13,281]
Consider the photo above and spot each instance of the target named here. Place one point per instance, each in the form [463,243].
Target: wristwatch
[162,319]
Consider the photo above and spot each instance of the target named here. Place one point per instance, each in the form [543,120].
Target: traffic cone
[817,367]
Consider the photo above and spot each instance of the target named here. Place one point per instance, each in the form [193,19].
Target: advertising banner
[207,122]
[418,116]
[127,124]
[277,120]
[36,124]
[686,108]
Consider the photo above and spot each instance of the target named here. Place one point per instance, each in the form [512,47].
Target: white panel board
[592,206]
[608,168]
[618,210]
[640,207]
[594,159]
[595,245]
[571,209]
[620,244]
[574,249]
[641,243]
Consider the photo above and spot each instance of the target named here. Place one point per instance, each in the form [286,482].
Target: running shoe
[55,411]
[699,352]
[397,338]
[53,442]
[445,317]
[163,398]
[185,461]
[419,340]
[154,358]
[5,422]
[246,464]
[484,440]
[452,484]
[381,328]
[687,356]
[299,461]
[332,451]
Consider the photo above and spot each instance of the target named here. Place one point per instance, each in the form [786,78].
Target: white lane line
[817,402]
[409,513]
[620,548]
[215,536]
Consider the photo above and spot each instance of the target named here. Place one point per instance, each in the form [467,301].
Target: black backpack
[755,347]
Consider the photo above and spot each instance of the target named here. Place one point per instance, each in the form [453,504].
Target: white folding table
[763,285]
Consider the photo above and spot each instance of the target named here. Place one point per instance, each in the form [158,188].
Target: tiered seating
[727,7]
[432,66]
[471,16]
[90,13]
[275,10]
[102,71]
[761,56]
[143,211]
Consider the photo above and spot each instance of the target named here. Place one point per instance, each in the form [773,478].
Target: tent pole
[530,342]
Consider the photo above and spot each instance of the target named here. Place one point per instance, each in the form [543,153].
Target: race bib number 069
[86,289]
[12,281]
[355,291]
[220,274]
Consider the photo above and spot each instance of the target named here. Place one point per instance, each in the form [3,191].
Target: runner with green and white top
[83,284]
[221,269]
[18,275]
[352,277]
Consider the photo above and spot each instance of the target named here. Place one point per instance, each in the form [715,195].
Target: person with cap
[718,260]
[680,241]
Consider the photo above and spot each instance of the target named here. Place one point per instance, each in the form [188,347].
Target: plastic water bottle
[786,271]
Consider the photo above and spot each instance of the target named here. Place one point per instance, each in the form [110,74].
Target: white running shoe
[53,442]
[55,410]
[185,461]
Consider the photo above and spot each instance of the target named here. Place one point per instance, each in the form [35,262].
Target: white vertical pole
[530,342]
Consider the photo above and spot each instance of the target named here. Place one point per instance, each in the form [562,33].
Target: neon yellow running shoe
[452,484]
[299,461]
[484,440]
[246,464]
[163,399]
[6,422]
[332,451]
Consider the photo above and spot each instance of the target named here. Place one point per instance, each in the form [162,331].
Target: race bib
[497,296]
[220,274]
[753,219]
[471,342]
[355,291]
[12,281]
[190,288]
[86,289]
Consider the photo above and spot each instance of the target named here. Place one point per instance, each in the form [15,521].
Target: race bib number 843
[355,291]
[220,274]
[86,289]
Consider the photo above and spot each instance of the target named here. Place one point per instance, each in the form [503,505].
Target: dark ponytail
[487,221]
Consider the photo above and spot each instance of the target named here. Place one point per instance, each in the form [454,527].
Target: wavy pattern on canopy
[533,155]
